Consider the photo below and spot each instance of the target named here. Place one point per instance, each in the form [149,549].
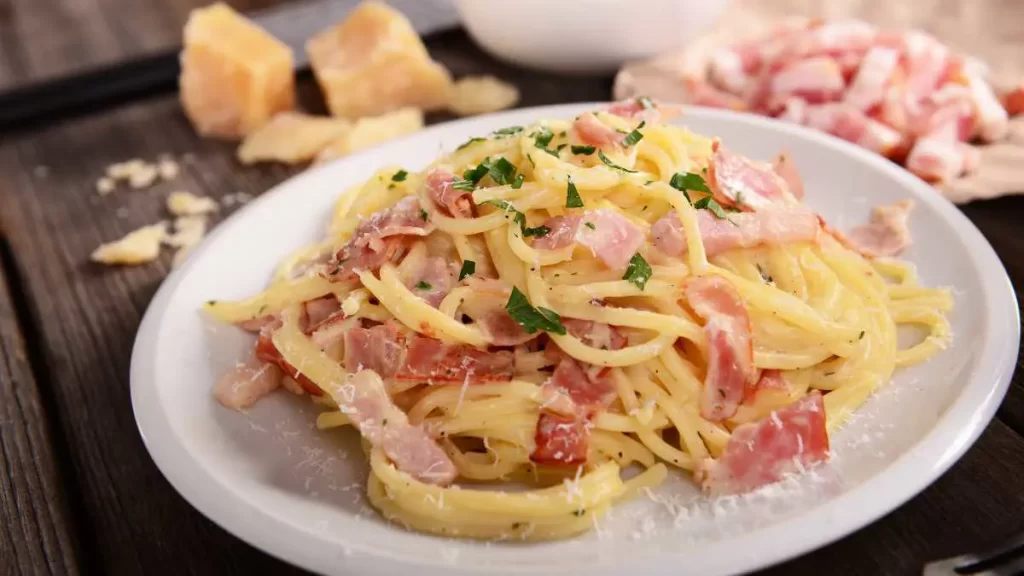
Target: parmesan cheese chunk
[372,131]
[138,247]
[188,232]
[482,95]
[291,137]
[373,62]
[182,203]
[234,75]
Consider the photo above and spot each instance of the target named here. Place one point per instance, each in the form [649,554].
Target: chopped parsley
[638,272]
[466,185]
[861,337]
[579,512]
[508,131]
[645,102]
[560,146]
[530,318]
[211,302]
[502,171]
[477,174]
[399,176]
[684,181]
[611,164]
[424,215]
[519,218]
[422,285]
[635,136]
[590,225]
[530,158]
[572,196]
[518,182]
[538,231]
[468,269]
[543,138]
[739,198]
[470,142]
[583,150]
[708,203]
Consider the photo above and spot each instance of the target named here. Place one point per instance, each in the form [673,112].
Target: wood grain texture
[36,531]
[42,39]
[87,317]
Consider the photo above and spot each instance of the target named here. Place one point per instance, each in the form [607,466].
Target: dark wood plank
[42,39]
[88,315]
[36,530]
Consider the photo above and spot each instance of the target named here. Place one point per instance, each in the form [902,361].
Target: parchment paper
[990,30]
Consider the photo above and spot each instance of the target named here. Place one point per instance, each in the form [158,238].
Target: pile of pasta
[548,319]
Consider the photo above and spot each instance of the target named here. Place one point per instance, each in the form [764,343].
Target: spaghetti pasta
[554,305]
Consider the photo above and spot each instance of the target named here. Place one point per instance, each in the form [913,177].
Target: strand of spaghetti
[511,269]
[649,479]
[661,323]
[621,448]
[672,408]
[622,423]
[286,269]
[533,257]
[272,300]
[785,271]
[414,312]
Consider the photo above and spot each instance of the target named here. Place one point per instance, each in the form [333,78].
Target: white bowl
[585,36]
[274,480]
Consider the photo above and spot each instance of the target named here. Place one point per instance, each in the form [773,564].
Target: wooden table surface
[79,493]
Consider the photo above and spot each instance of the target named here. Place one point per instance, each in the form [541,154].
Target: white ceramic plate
[273,480]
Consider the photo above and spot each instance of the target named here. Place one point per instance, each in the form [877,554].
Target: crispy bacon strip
[744,230]
[609,235]
[453,202]
[380,238]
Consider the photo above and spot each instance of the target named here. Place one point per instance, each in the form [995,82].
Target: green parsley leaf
[468,269]
[539,231]
[475,175]
[424,215]
[645,102]
[518,182]
[469,142]
[399,176]
[502,171]
[530,318]
[583,150]
[466,185]
[635,136]
[708,203]
[422,285]
[572,196]
[543,137]
[638,272]
[611,164]
[739,197]
[684,181]
[530,158]
[508,131]
[590,225]
[519,218]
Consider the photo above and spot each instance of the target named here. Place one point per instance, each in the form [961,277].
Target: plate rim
[918,467]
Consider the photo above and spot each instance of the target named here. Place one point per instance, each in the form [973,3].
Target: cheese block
[234,75]
[371,131]
[373,62]
[291,137]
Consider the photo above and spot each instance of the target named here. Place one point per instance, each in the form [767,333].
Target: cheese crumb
[182,203]
[368,132]
[105,185]
[481,95]
[291,137]
[138,247]
[168,169]
[124,170]
[374,62]
[188,232]
[143,177]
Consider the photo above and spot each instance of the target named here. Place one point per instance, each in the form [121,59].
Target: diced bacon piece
[320,309]
[746,230]
[852,125]
[434,362]
[652,114]
[738,181]
[246,383]
[560,440]
[502,330]
[816,80]
[937,157]
[609,235]
[267,352]
[389,353]
[257,324]
[591,391]
[380,238]
[760,453]
[457,203]
[868,87]
[589,130]
[730,348]
[700,93]
[726,71]
[364,399]
[1013,100]
[992,121]
[786,169]
[770,379]
[595,334]
[434,280]
[794,110]
[886,234]
[927,62]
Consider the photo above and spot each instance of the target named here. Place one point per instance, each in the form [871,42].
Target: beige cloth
[990,30]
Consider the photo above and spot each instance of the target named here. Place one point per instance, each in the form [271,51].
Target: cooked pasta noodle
[820,313]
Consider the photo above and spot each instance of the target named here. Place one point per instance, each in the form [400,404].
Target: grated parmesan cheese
[105,185]
[167,168]
[188,232]
[183,203]
[137,247]
[291,138]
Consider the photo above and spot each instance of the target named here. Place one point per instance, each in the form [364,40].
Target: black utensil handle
[93,89]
